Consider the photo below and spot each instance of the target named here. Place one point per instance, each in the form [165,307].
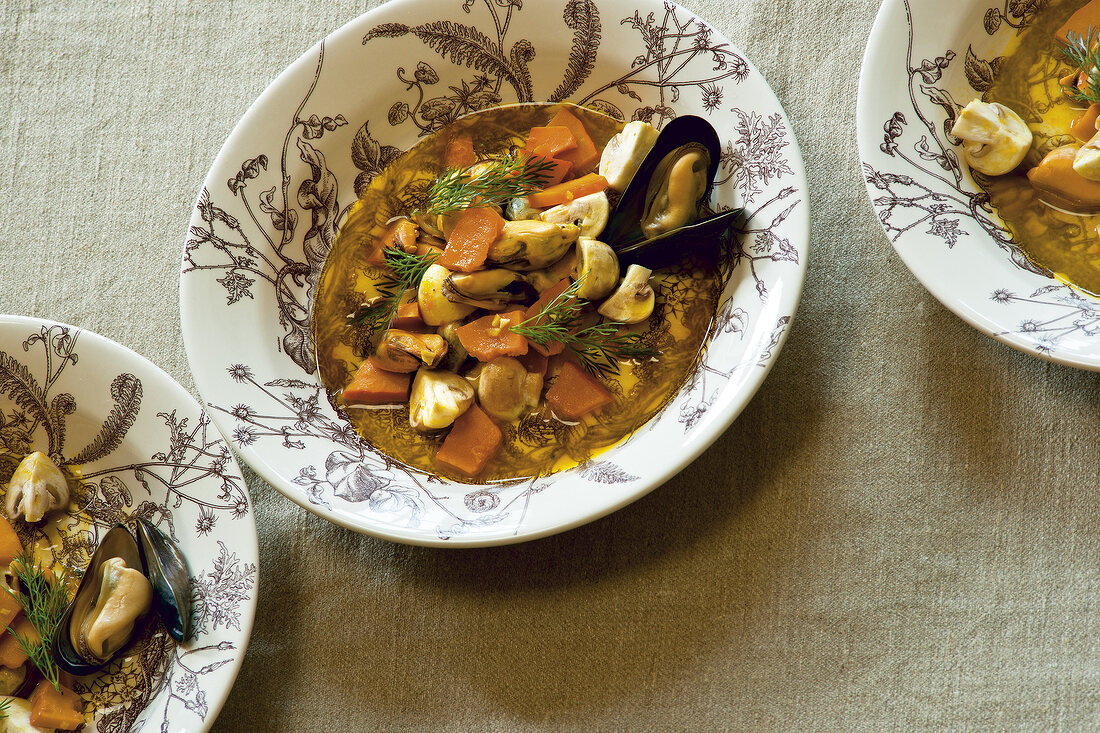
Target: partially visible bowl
[278,190]
[923,61]
[144,448]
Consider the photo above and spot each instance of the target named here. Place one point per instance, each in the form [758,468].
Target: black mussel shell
[704,238]
[166,569]
[118,542]
[625,223]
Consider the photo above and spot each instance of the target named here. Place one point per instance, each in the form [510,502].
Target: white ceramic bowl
[925,59]
[278,189]
[144,448]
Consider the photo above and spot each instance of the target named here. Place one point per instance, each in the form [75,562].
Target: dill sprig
[1084,53]
[599,348]
[44,600]
[406,271]
[513,175]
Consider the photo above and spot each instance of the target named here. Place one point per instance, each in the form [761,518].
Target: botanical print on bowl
[147,451]
[282,185]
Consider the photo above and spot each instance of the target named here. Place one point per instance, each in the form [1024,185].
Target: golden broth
[536,444]
[1027,82]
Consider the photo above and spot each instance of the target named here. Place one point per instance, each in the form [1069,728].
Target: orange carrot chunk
[12,655]
[58,709]
[1084,127]
[473,235]
[554,347]
[460,152]
[556,174]
[10,546]
[489,336]
[586,154]
[408,317]
[550,141]
[565,192]
[472,442]
[374,386]
[9,609]
[575,393]
[401,234]
[1080,22]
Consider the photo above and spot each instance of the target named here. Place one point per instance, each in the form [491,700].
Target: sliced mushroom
[532,244]
[624,153]
[435,309]
[438,397]
[483,289]
[125,594]
[404,351]
[995,139]
[505,389]
[36,487]
[1062,187]
[597,268]
[587,212]
[632,301]
[519,208]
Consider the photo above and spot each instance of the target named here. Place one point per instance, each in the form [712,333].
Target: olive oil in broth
[537,443]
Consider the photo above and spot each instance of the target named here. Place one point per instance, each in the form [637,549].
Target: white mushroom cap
[36,487]
[438,397]
[590,213]
[995,139]
[624,153]
[633,301]
[598,265]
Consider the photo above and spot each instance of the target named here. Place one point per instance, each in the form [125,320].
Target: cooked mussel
[122,581]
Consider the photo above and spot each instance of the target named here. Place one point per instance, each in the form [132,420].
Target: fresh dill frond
[1083,52]
[513,175]
[44,600]
[406,271]
[599,348]
[5,703]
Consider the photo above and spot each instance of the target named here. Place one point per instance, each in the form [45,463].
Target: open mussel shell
[118,542]
[166,569]
[704,238]
[624,226]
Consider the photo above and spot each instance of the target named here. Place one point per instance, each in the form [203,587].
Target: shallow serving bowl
[145,449]
[926,58]
[281,185]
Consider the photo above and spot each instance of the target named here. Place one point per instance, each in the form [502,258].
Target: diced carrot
[401,234]
[374,386]
[557,174]
[9,608]
[586,154]
[59,709]
[1084,127]
[460,152]
[565,192]
[1081,22]
[489,336]
[534,362]
[548,295]
[10,546]
[11,652]
[575,392]
[551,140]
[473,235]
[472,442]
[408,317]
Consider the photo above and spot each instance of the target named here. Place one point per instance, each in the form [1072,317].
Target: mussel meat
[120,584]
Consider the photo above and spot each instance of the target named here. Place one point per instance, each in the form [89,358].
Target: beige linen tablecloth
[901,532]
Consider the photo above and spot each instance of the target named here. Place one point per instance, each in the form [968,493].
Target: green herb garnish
[599,348]
[44,600]
[1084,53]
[513,175]
[406,271]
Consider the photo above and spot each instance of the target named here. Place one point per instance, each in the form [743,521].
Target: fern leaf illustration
[584,18]
[61,406]
[126,392]
[17,382]
[466,45]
